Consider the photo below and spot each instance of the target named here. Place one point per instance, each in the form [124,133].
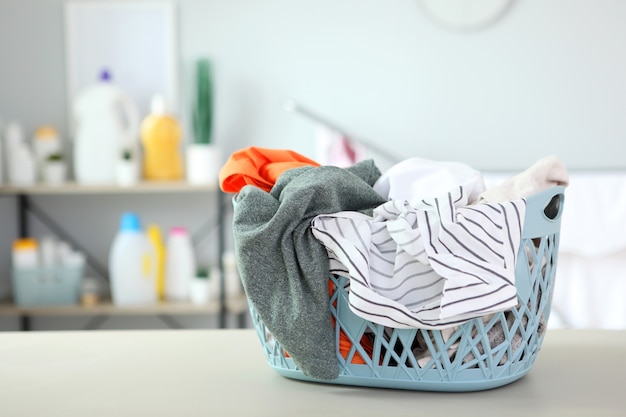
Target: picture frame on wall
[134,41]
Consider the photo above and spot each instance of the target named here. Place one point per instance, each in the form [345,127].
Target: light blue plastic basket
[476,365]
[53,286]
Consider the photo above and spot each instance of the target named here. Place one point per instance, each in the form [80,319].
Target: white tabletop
[187,373]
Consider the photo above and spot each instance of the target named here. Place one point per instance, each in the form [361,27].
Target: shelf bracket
[25,205]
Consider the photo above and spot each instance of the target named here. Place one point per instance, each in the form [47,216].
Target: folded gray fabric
[284,268]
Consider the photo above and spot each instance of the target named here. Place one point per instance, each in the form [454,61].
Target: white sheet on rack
[591,273]
[594,219]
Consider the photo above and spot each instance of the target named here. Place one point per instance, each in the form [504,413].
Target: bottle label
[145,265]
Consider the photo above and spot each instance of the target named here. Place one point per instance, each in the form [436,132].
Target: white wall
[548,78]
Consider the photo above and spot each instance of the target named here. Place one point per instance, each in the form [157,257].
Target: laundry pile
[424,245]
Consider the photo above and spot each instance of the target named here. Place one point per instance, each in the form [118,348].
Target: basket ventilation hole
[552,208]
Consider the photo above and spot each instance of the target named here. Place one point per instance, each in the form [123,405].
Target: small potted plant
[127,169]
[203,156]
[54,169]
[199,289]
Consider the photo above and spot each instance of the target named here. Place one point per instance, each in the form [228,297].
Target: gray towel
[284,268]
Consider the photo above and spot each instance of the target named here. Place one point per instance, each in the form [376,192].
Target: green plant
[202,273]
[127,154]
[55,157]
[203,105]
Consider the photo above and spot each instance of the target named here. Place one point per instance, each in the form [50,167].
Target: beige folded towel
[543,174]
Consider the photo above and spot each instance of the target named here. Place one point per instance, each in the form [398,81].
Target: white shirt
[434,264]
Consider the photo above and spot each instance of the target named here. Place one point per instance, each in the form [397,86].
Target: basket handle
[543,218]
[543,213]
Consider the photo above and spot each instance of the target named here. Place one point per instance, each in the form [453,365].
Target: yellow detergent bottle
[160,136]
[156,237]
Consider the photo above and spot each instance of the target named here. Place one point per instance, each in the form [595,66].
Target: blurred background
[497,87]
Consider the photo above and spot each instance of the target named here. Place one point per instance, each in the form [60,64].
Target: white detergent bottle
[20,159]
[180,265]
[132,264]
[106,122]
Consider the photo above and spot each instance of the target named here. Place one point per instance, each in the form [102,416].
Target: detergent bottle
[156,237]
[106,122]
[180,265]
[21,164]
[132,264]
[160,136]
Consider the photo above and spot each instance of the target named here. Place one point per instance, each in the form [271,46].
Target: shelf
[76,188]
[164,311]
[235,306]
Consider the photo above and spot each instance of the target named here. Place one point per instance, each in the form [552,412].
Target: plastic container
[132,264]
[39,279]
[46,142]
[479,362]
[107,121]
[156,237]
[48,252]
[180,265]
[21,166]
[160,136]
[200,289]
[25,253]
[47,286]
[90,292]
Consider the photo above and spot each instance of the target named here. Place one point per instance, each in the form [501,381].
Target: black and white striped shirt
[433,265]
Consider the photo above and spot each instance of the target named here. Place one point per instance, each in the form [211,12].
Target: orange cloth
[344,342]
[259,166]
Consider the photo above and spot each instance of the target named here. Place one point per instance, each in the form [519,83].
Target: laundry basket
[481,354]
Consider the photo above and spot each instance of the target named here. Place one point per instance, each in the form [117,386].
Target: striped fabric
[433,265]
